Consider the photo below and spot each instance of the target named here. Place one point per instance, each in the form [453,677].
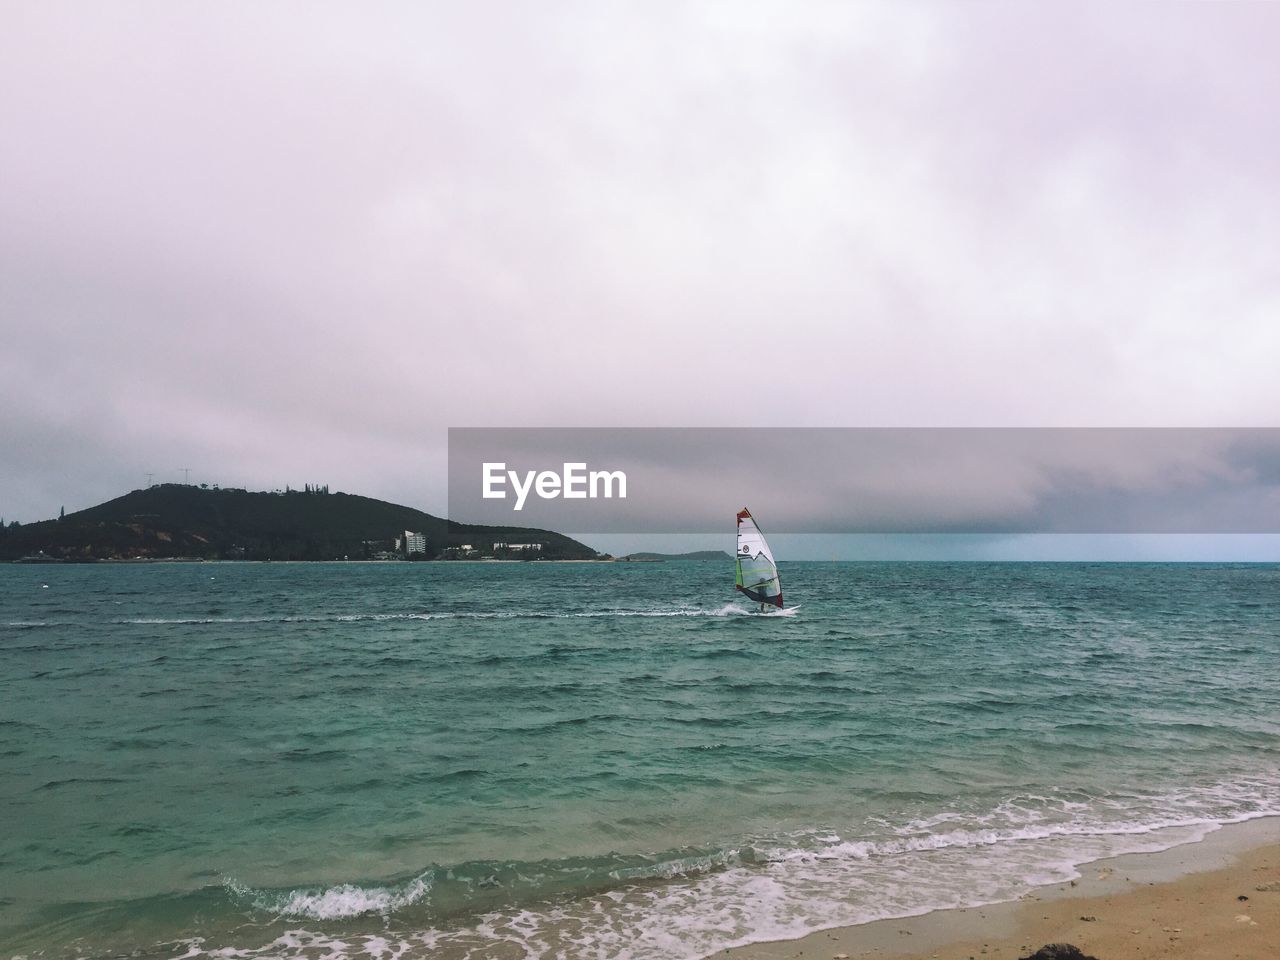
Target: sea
[601,760]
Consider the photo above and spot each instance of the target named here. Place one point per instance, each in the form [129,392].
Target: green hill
[180,520]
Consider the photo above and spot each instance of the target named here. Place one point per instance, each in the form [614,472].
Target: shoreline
[1175,903]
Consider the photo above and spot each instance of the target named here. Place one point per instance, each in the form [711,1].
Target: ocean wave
[483,883]
[330,903]
[693,902]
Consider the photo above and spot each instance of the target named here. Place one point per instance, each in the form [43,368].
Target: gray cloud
[830,480]
[290,243]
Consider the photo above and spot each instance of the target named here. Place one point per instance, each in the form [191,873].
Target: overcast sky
[289,243]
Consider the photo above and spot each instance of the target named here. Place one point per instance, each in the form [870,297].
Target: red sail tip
[744,514]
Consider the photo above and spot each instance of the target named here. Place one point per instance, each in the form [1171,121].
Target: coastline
[1177,904]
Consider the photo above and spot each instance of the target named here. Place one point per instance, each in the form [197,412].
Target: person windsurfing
[757,573]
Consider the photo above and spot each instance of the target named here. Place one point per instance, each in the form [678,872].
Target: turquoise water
[601,760]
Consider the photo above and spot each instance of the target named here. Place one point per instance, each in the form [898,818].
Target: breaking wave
[695,902]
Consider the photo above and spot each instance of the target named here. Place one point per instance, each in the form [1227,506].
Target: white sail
[757,571]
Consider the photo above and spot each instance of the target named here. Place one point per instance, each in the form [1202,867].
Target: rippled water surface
[600,760]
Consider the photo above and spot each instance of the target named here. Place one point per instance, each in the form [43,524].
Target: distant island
[717,555]
[172,521]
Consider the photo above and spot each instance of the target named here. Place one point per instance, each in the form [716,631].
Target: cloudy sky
[289,243]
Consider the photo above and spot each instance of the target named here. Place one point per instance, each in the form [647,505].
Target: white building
[516,546]
[414,542]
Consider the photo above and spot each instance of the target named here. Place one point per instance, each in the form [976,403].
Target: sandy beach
[1212,900]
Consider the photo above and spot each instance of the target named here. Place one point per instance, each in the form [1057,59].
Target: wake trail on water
[727,610]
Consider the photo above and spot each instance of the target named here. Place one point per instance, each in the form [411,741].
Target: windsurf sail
[757,573]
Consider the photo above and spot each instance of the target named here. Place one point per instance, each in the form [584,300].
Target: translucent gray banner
[868,480]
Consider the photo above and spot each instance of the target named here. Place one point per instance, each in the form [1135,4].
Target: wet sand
[1180,904]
